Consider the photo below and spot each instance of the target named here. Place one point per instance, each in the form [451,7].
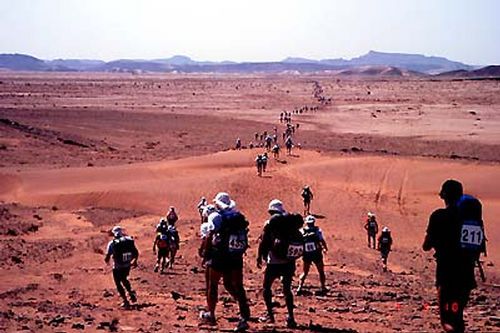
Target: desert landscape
[82,152]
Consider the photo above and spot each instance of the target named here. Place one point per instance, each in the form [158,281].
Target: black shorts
[120,274]
[314,257]
[221,264]
[162,253]
[287,271]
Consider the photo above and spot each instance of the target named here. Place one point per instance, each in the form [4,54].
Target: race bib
[310,247]
[127,257]
[472,235]
[237,243]
[295,251]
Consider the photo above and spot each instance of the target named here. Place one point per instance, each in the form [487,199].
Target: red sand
[169,154]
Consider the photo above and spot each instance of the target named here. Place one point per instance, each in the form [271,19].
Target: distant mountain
[296,60]
[484,72]
[413,62]
[74,64]
[377,70]
[178,60]
[372,63]
[22,62]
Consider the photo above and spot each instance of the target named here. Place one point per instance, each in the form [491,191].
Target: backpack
[123,250]
[172,217]
[163,241]
[173,237]
[311,242]
[162,227]
[472,238]
[288,242]
[232,238]
[385,241]
[372,224]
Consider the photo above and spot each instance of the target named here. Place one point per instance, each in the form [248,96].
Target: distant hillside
[413,62]
[22,62]
[376,70]
[372,63]
[484,72]
[74,64]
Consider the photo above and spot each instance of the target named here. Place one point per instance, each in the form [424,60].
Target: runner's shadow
[319,216]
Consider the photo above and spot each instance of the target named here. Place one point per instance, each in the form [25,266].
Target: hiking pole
[481,271]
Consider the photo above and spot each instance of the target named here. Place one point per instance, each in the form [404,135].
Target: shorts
[223,264]
[314,257]
[384,253]
[162,253]
[287,271]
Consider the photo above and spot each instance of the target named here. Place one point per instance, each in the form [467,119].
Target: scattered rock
[107,294]
[59,319]
[57,276]
[16,260]
[112,326]
[78,326]
[176,295]
[481,299]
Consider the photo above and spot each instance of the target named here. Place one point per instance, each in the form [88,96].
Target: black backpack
[472,236]
[173,237]
[288,242]
[232,237]
[123,250]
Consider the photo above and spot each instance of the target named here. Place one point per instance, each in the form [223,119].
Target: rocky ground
[82,153]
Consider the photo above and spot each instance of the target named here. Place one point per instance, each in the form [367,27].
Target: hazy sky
[253,30]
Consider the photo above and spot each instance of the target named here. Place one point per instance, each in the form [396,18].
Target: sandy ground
[81,153]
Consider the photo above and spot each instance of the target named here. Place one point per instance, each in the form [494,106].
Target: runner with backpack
[172,216]
[223,252]
[173,244]
[384,246]
[281,244]
[371,227]
[276,151]
[307,196]
[162,226]
[162,243]
[201,205]
[289,145]
[314,246]
[456,233]
[125,254]
[259,163]
[265,158]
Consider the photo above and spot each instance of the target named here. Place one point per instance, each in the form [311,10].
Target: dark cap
[451,190]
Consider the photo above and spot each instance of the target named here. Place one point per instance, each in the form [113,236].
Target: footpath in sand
[53,277]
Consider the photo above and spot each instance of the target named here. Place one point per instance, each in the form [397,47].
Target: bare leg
[303,276]
[212,291]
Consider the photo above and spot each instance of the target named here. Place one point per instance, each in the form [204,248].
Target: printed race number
[127,256]
[472,235]
[236,243]
[310,247]
[295,251]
